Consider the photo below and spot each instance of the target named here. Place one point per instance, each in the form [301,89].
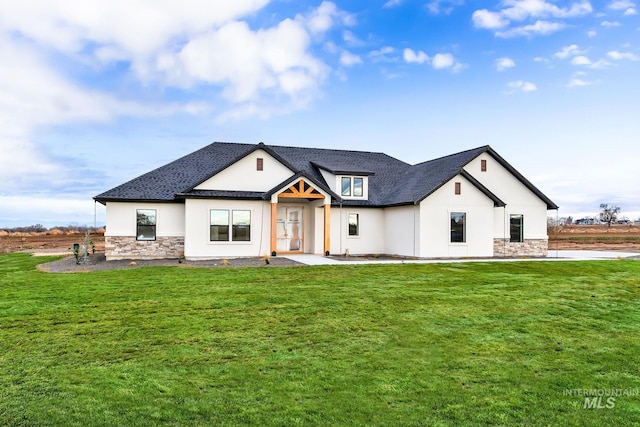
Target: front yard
[437,344]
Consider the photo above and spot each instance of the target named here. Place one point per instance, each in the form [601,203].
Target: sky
[94,93]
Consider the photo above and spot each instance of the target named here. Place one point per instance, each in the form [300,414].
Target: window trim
[233,226]
[520,231]
[464,228]
[361,192]
[154,225]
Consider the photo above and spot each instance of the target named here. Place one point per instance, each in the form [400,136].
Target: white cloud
[614,54]
[567,51]
[443,60]
[630,12]
[503,64]
[412,57]
[591,33]
[521,86]
[348,59]
[392,3]
[384,54]
[621,5]
[610,24]
[581,60]
[538,12]
[443,6]
[486,19]
[351,39]
[537,28]
[576,82]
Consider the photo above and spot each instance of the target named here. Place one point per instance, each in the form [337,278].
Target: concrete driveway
[310,259]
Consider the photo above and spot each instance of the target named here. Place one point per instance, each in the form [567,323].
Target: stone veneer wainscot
[120,247]
[530,247]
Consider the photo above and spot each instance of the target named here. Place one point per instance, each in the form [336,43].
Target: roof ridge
[482,147]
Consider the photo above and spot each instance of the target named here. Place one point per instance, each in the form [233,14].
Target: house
[232,200]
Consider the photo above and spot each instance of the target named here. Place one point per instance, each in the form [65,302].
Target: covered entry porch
[300,219]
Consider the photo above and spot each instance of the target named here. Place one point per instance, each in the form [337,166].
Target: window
[259,164]
[483,165]
[354,224]
[458,227]
[240,226]
[358,187]
[457,188]
[516,228]
[352,186]
[219,231]
[346,186]
[146,224]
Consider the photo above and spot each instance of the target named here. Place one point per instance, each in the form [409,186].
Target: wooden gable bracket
[301,190]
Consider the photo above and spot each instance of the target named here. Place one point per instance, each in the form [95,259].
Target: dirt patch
[596,237]
[49,241]
[98,262]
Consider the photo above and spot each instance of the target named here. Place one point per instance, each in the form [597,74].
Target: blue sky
[95,93]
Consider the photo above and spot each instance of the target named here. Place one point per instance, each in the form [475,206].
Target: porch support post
[274,217]
[327,228]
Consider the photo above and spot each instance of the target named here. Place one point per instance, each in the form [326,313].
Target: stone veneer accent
[530,247]
[120,247]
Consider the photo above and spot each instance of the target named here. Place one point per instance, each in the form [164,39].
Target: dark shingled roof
[391,181]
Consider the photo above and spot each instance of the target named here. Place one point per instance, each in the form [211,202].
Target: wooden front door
[290,229]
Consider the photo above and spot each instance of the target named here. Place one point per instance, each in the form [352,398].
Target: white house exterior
[236,200]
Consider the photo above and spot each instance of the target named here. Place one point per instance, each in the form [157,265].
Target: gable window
[240,225]
[516,228]
[457,189]
[354,224]
[483,165]
[458,227]
[352,186]
[346,186]
[358,187]
[146,224]
[259,164]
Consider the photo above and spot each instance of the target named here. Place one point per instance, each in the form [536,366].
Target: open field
[596,237]
[438,344]
[47,241]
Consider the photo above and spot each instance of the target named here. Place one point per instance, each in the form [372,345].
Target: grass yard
[439,344]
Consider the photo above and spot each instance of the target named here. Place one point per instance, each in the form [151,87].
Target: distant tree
[609,213]
[568,220]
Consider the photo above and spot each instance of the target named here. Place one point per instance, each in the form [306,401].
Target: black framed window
[346,186]
[219,225]
[358,187]
[458,227]
[146,224]
[241,231]
[354,224]
[516,228]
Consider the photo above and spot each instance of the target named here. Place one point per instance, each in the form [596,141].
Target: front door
[289,229]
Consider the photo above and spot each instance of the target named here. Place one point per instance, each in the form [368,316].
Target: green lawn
[438,344]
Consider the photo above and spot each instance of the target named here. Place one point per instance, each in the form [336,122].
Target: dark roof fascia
[104,200]
[259,146]
[497,202]
[249,195]
[522,179]
[342,172]
[295,176]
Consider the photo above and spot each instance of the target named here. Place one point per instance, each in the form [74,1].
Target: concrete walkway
[310,259]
